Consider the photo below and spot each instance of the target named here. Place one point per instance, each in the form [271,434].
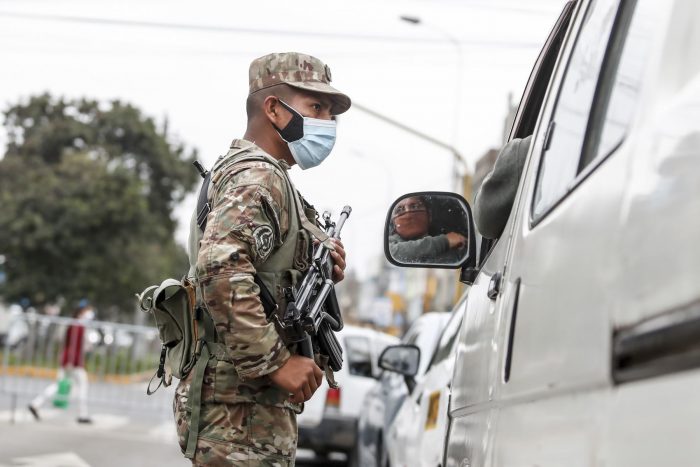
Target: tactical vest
[287,264]
[284,268]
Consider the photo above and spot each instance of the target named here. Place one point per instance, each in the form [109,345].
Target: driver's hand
[456,240]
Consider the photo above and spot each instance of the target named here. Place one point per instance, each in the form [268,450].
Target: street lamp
[414,20]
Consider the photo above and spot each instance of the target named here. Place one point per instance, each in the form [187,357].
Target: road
[121,434]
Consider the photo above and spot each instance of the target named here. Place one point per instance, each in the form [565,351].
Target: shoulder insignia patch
[264,240]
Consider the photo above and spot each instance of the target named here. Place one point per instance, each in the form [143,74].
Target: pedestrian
[72,365]
[258,225]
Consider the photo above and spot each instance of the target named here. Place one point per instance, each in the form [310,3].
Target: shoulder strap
[305,222]
[203,205]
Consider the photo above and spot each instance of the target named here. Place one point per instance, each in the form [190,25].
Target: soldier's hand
[300,376]
[456,240]
[339,259]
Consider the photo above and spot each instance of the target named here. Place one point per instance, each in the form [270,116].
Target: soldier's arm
[246,223]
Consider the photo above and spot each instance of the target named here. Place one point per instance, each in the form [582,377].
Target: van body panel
[559,431]
[477,357]
[470,440]
[663,199]
[654,422]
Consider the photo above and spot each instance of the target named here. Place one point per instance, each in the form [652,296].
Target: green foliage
[86,191]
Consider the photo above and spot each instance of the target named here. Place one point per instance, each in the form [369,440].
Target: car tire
[353,456]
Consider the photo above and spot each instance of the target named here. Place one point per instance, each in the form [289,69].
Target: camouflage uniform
[256,214]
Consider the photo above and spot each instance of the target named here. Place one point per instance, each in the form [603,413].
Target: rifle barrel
[343,217]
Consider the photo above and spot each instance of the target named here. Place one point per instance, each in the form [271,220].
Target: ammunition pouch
[188,341]
[181,325]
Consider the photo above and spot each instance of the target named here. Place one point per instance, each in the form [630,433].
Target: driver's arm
[494,200]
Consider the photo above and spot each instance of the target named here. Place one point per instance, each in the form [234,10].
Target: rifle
[313,315]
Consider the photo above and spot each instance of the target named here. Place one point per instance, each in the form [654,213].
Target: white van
[581,340]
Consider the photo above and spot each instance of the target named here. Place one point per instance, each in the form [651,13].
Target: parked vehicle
[329,420]
[416,435]
[384,398]
[581,337]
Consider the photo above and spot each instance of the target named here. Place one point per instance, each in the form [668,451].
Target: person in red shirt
[72,365]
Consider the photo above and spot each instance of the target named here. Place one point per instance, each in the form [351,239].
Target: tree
[86,194]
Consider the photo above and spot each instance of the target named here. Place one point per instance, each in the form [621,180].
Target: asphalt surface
[128,429]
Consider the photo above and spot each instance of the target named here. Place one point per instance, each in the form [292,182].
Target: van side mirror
[430,229]
[402,359]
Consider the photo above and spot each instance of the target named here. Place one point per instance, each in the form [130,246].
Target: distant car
[329,420]
[384,399]
[416,436]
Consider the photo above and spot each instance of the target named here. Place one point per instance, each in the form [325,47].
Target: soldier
[253,385]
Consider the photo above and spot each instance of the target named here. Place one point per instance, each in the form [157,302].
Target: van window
[567,129]
[599,95]
[620,82]
[359,356]
[536,87]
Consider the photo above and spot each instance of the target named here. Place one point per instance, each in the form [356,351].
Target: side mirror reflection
[430,229]
[402,359]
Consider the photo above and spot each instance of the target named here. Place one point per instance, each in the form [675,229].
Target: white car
[383,401]
[329,420]
[416,436]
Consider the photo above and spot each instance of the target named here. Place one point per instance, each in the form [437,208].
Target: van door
[477,359]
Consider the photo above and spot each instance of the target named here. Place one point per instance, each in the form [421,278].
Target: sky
[448,77]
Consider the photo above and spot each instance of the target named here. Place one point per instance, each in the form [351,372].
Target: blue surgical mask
[310,140]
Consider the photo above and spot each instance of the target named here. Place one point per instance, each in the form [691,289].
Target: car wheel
[354,456]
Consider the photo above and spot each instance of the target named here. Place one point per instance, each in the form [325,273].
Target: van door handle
[548,136]
[494,286]
[511,332]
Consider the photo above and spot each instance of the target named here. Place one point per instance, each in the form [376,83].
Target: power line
[510,7]
[268,32]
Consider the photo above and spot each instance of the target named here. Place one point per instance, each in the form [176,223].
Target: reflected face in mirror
[430,228]
[411,218]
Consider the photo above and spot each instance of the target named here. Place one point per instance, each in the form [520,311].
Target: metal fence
[119,359]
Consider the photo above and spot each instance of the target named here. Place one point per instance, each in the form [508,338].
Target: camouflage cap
[297,70]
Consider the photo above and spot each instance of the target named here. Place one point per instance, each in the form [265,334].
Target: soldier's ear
[274,112]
